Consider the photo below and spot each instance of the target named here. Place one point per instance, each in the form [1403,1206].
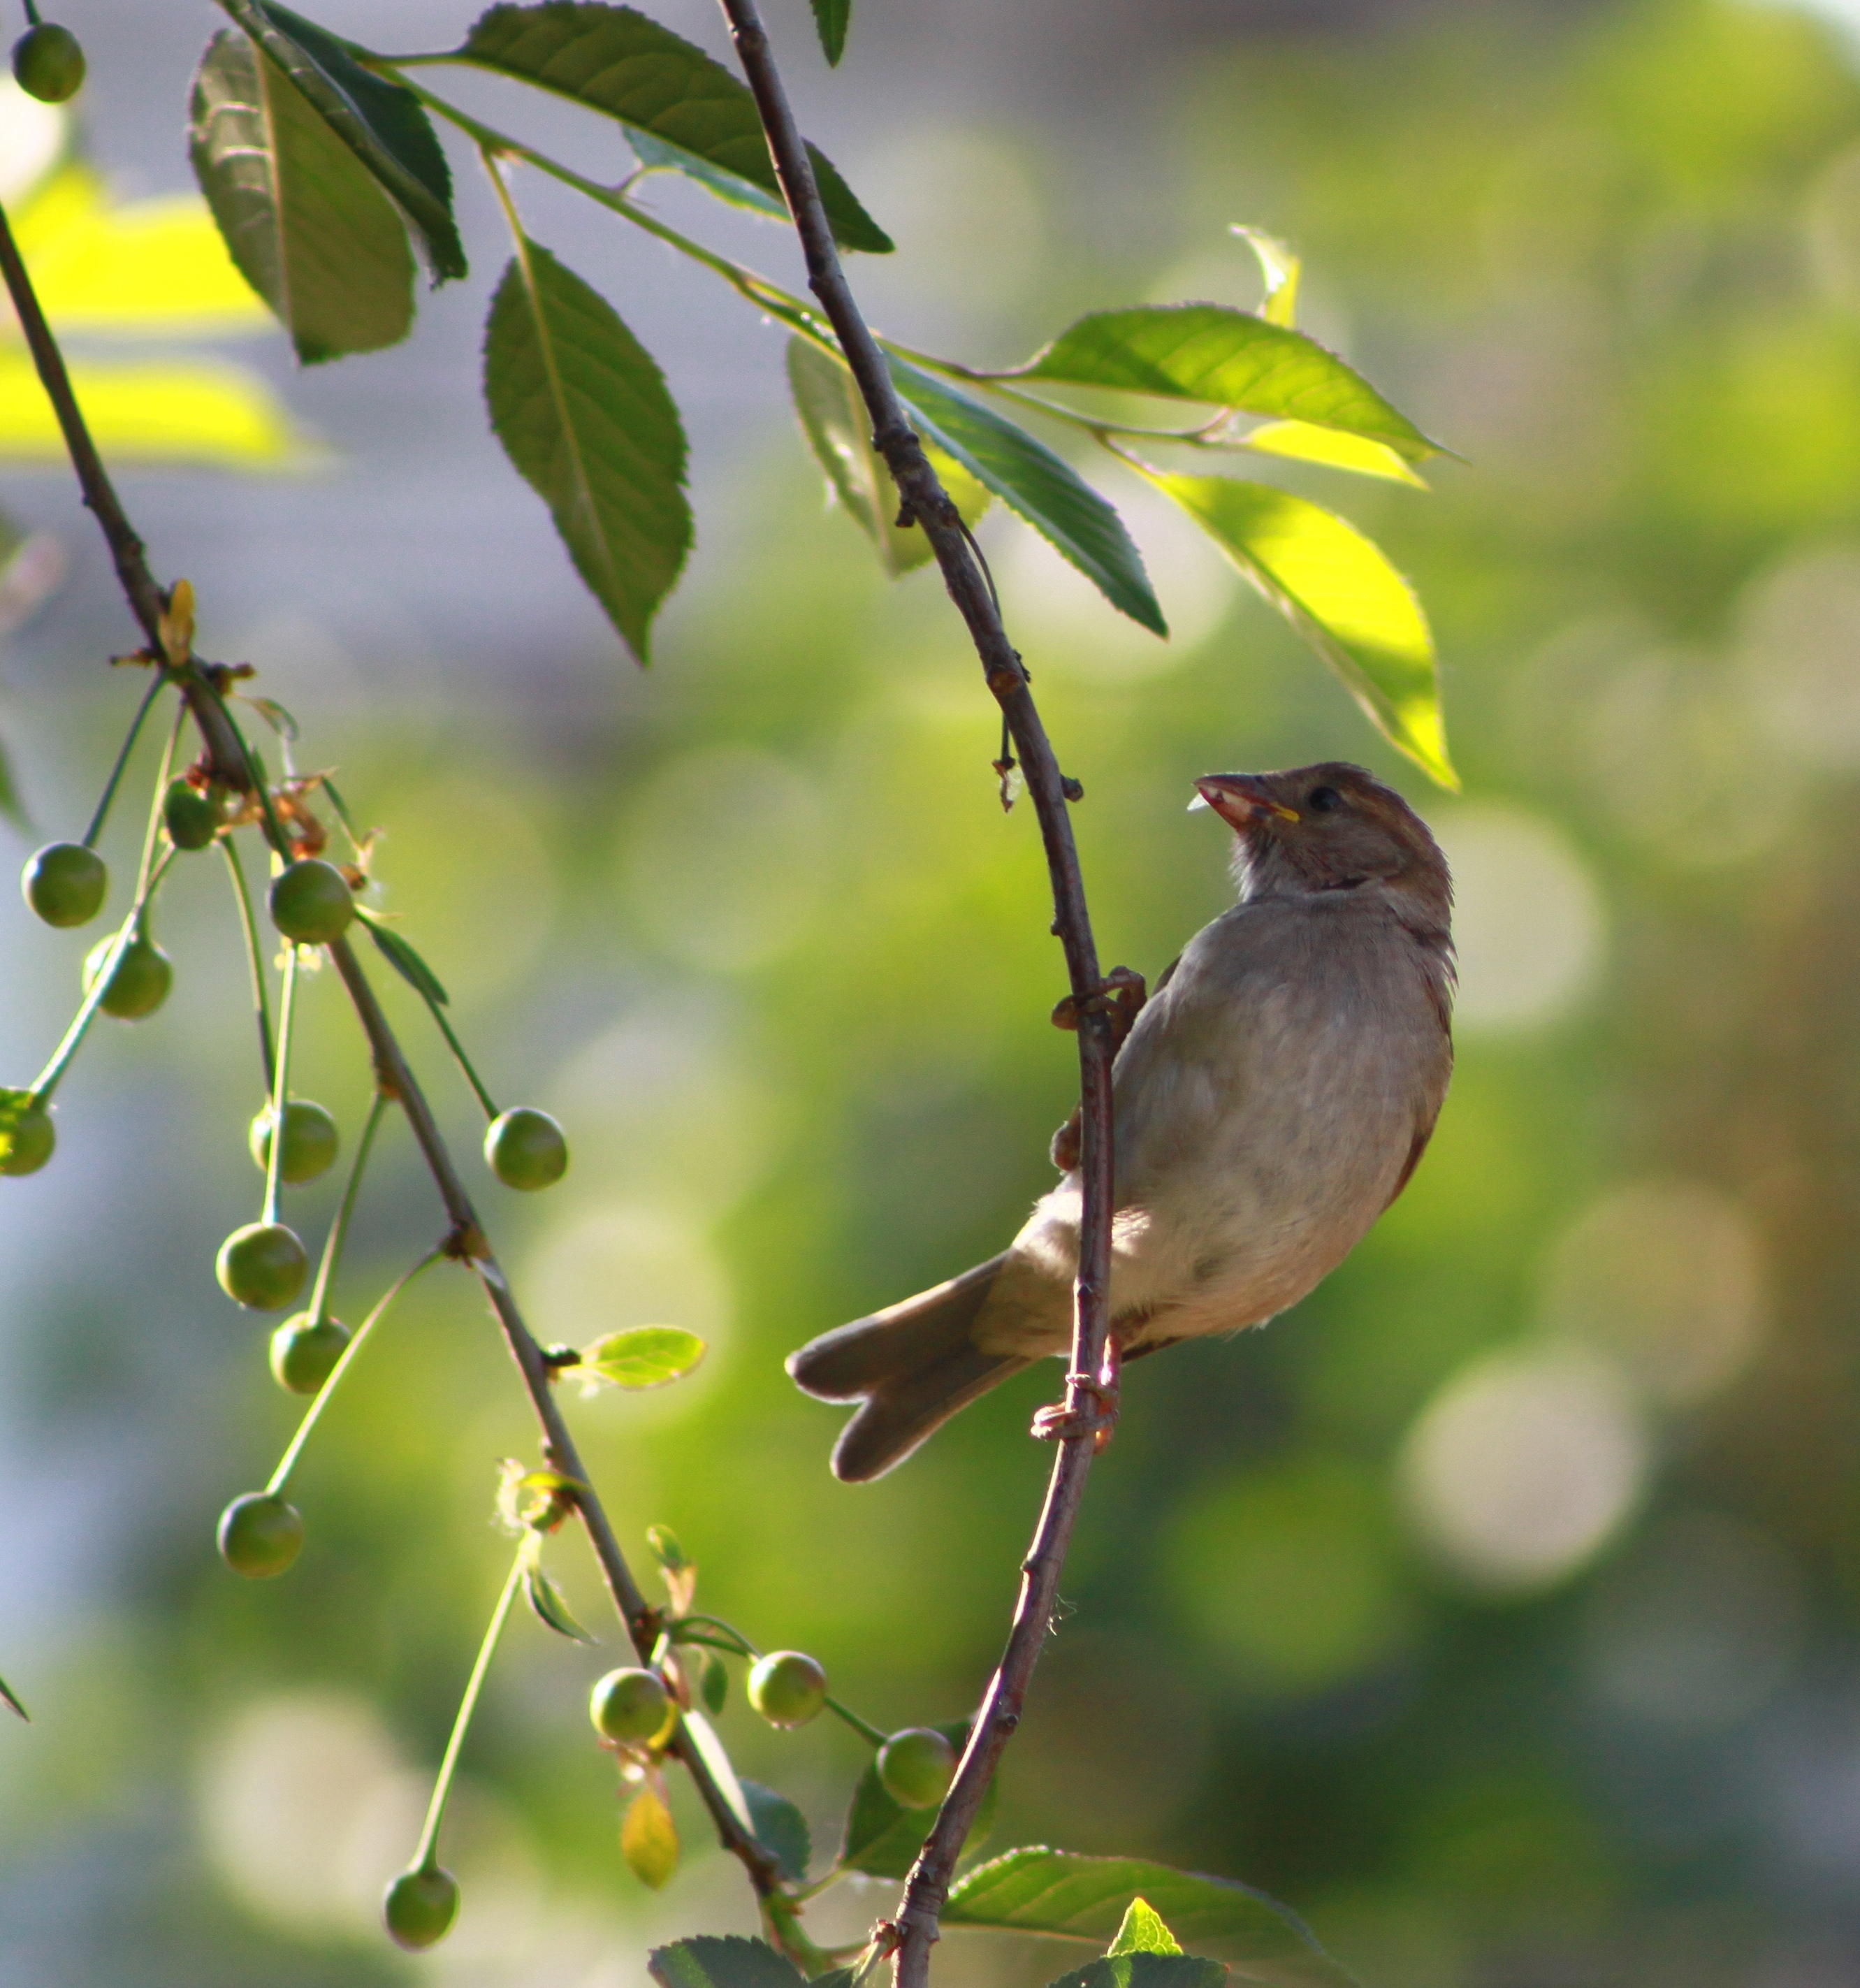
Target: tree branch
[930,506]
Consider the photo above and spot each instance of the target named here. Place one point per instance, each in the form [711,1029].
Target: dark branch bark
[930,505]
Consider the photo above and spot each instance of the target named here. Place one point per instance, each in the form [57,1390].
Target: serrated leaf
[204,411]
[883,1838]
[405,962]
[1142,1932]
[831,19]
[12,1702]
[781,1829]
[1072,1897]
[1145,1970]
[1304,442]
[649,1840]
[1225,358]
[305,222]
[381,123]
[694,114]
[643,1356]
[1338,590]
[547,1604]
[713,1961]
[839,431]
[586,417]
[1044,488]
[1279,267]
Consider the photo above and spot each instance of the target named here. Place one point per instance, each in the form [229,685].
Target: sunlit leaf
[1029,478]
[710,1750]
[726,1962]
[1227,358]
[204,411]
[1145,1970]
[781,1829]
[1304,442]
[1072,1897]
[839,430]
[648,1839]
[305,220]
[692,113]
[667,1549]
[381,123]
[1279,268]
[643,1356]
[1340,592]
[882,1837]
[404,961]
[586,417]
[547,1604]
[714,1688]
[831,18]
[1142,1932]
[274,714]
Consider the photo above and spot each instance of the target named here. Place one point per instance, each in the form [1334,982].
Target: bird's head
[1330,827]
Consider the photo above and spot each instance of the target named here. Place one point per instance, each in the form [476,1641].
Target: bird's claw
[1120,995]
[1066,1418]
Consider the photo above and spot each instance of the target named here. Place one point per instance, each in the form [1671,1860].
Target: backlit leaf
[1144,1969]
[1340,592]
[305,220]
[547,1604]
[781,1829]
[1279,268]
[1029,479]
[1303,442]
[1227,358]
[882,1837]
[643,1356]
[586,417]
[691,112]
[1142,1932]
[404,961]
[381,123]
[729,1961]
[831,18]
[694,1727]
[203,411]
[12,1702]
[1072,1897]
[648,1839]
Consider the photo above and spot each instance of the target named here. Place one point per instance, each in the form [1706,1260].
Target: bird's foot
[1120,995]
[1090,1408]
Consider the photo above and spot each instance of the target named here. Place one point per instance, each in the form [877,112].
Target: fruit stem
[128,746]
[426,1856]
[870,1734]
[32,13]
[288,1463]
[741,1645]
[339,1228]
[280,1085]
[260,1000]
[458,1049]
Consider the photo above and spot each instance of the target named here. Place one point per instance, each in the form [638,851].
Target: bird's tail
[910,1367]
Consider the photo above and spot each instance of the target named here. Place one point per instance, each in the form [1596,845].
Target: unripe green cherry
[310,1141]
[420,1907]
[191,818]
[262,1265]
[915,1766]
[49,63]
[65,883]
[304,1351]
[260,1535]
[138,983]
[525,1149]
[26,1140]
[311,901]
[631,1704]
[787,1688]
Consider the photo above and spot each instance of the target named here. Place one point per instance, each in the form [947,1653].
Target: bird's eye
[1320,800]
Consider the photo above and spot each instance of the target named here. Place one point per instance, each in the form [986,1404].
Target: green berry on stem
[27,1137]
[525,1149]
[420,1907]
[262,1265]
[630,1704]
[915,1766]
[311,901]
[49,63]
[787,1688]
[304,1351]
[65,883]
[192,819]
[260,1535]
[311,1142]
[139,982]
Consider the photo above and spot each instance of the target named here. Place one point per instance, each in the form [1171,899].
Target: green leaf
[703,1737]
[1340,592]
[691,112]
[1279,268]
[13,1703]
[1145,1970]
[715,1690]
[666,1550]
[546,1601]
[643,1356]
[275,715]
[711,1961]
[781,1829]
[1142,1932]
[883,1838]
[380,122]
[648,1841]
[586,417]
[1071,1896]
[404,961]
[1305,443]
[831,19]
[1227,358]
[308,225]
[839,430]
[1047,491]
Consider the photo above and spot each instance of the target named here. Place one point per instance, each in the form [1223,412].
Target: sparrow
[1272,1097]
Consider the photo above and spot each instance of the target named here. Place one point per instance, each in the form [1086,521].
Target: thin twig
[930,506]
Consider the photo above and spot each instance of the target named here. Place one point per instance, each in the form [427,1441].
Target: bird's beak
[1240,799]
